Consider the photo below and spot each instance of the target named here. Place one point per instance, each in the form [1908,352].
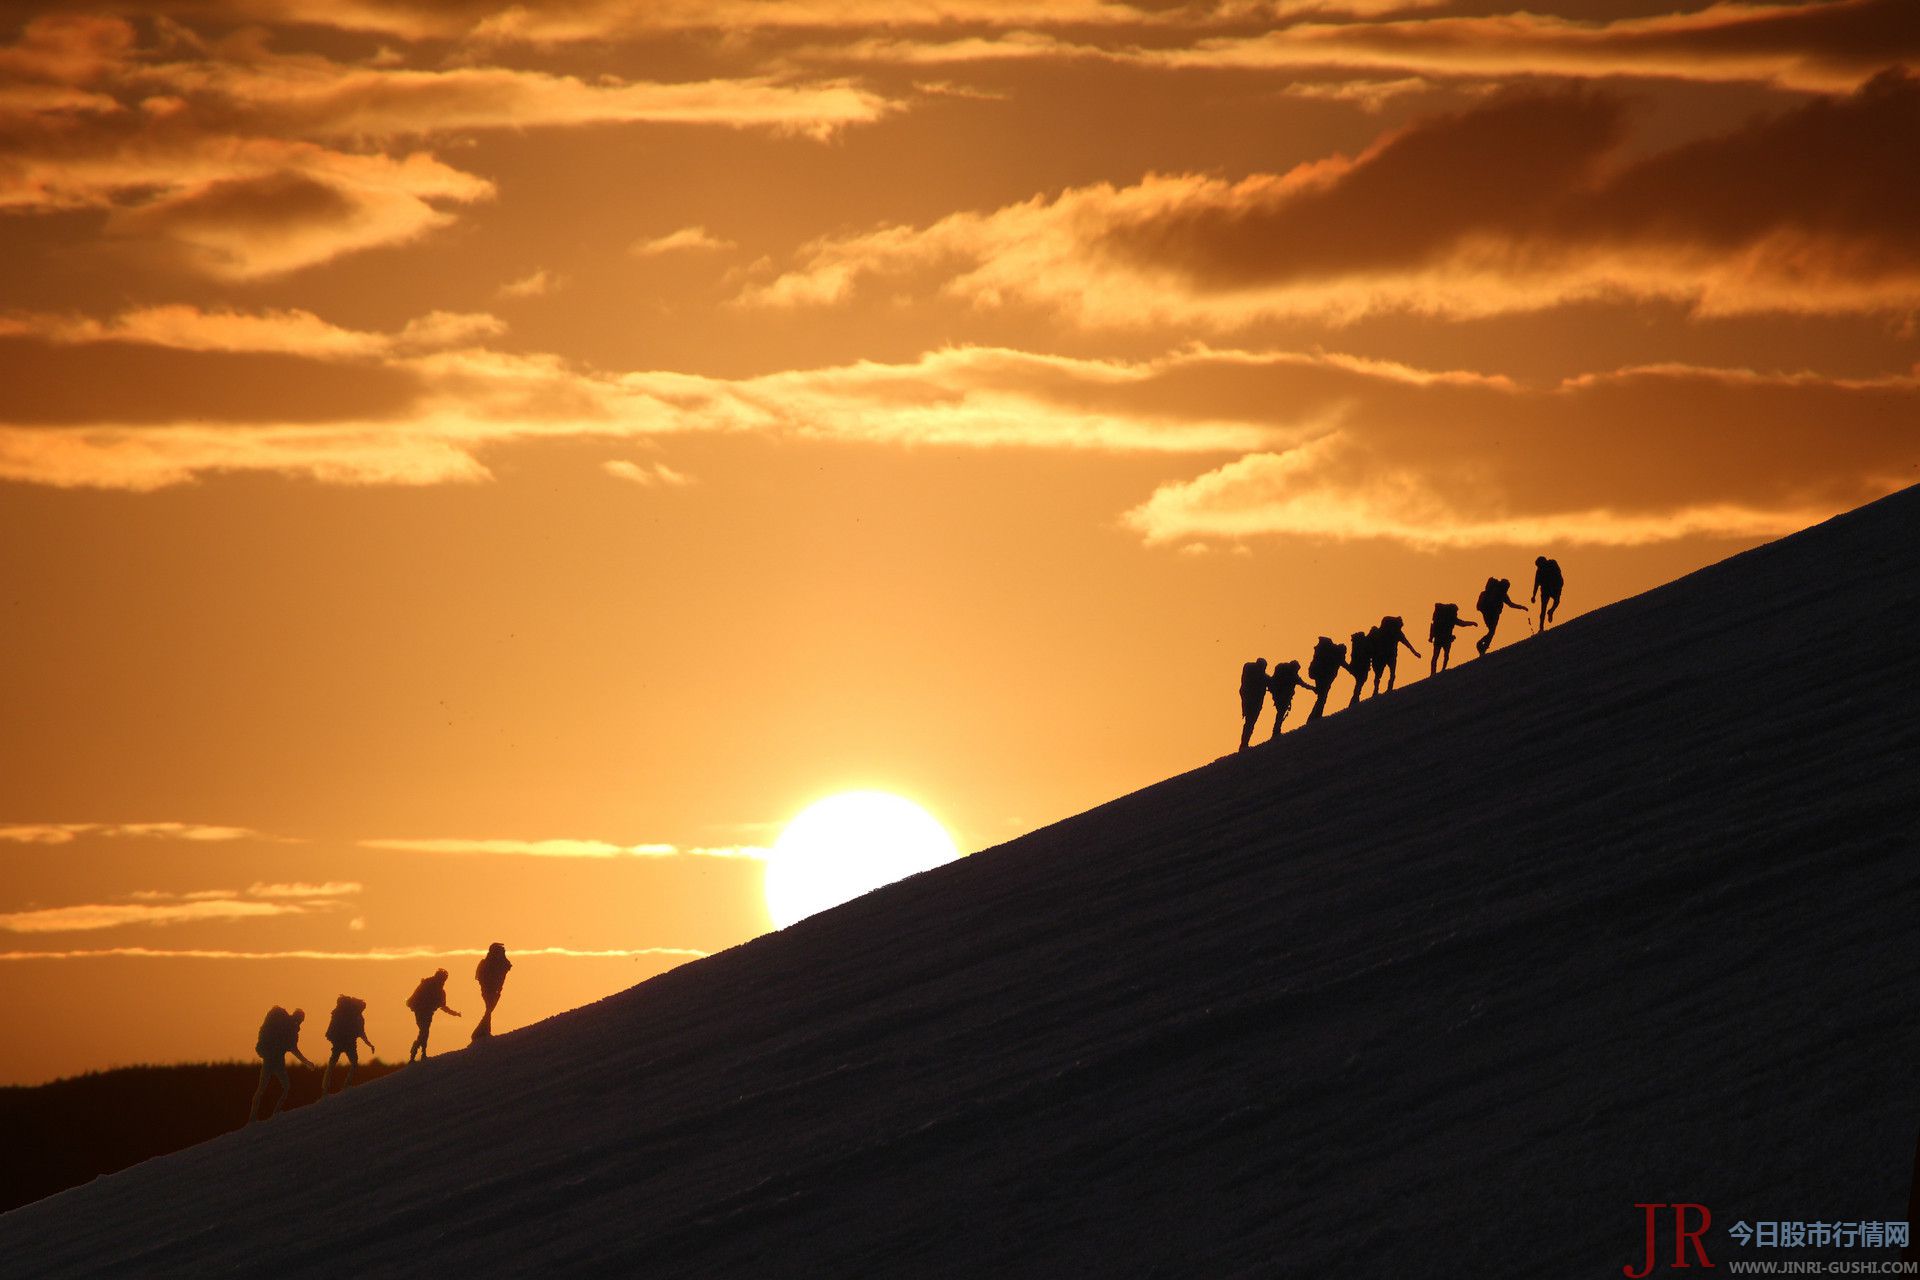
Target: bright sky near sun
[475,472]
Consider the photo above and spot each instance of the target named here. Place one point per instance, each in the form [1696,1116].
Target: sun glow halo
[847,845]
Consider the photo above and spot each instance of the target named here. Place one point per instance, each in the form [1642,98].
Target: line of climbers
[1374,653]
[347,1028]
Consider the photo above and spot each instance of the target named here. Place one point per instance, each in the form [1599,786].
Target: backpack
[428,995]
[348,1023]
[277,1033]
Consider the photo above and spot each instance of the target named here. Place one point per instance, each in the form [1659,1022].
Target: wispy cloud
[302,890]
[1528,200]
[685,240]
[237,162]
[649,475]
[469,401]
[1632,457]
[564,848]
[537,284]
[384,953]
[96,915]
[67,832]
[198,906]
[1822,46]
[290,331]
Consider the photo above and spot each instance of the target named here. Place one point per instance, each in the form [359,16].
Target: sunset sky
[474,472]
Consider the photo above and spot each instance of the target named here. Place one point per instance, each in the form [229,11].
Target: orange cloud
[1628,458]
[648,475]
[565,21]
[67,832]
[381,953]
[1526,201]
[468,401]
[226,157]
[92,916]
[1328,445]
[684,240]
[1827,46]
[562,849]
[290,331]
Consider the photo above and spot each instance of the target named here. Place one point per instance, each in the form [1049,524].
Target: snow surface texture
[1443,985]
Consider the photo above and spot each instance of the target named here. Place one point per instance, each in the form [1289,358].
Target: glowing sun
[847,845]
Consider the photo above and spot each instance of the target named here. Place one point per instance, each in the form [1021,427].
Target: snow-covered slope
[1443,985]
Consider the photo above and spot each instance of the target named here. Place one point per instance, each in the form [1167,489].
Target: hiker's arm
[1410,649]
[303,1057]
[370,1048]
[447,1008]
[1464,623]
[1303,684]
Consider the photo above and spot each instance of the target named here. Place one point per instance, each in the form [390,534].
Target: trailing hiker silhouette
[1548,583]
[279,1036]
[1253,696]
[345,1030]
[1493,598]
[1329,659]
[1388,637]
[491,974]
[1361,649]
[1440,631]
[1285,679]
[429,998]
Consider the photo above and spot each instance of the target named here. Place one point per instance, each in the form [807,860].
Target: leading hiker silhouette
[491,974]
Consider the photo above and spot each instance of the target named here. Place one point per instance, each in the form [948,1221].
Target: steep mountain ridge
[1442,985]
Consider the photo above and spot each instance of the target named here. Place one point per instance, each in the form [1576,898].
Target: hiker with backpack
[1548,583]
[345,1030]
[1446,617]
[279,1036]
[1361,651]
[491,974]
[1284,680]
[1494,597]
[1388,637]
[1329,660]
[1253,696]
[429,998]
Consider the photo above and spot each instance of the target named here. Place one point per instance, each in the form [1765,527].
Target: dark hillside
[66,1132]
[1442,986]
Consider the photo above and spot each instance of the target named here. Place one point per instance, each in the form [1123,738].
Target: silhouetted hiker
[491,974]
[1328,660]
[1440,631]
[1253,696]
[1388,637]
[1360,651]
[1285,679]
[279,1036]
[345,1030]
[1547,585]
[429,998]
[1494,598]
